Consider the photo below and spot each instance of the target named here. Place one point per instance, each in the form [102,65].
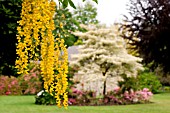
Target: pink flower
[71,101]
[116,89]
[13,82]
[145,89]
[79,92]
[126,95]
[8,92]
[33,91]
[94,94]
[33,74]
[150,93]
[9,86]
[75,90]
[26,78]
[2,87]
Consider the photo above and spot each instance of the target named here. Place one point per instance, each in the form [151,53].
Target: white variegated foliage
[103,56]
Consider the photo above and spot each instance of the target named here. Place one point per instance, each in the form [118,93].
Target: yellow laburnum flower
[62,68]
[37,21]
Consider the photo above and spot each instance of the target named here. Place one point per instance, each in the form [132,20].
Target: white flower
[40,93]
[135,100]
[103,56]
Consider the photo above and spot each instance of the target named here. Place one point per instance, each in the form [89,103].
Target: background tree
[65,3]
[86,14]
[65,25]
[103,55]
[148,31]
[9,14]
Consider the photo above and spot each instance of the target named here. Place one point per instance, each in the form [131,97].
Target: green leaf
[10,32]
[93,0]
[3,7]
[61,1]
[72,4]
[96,1]
[65,3]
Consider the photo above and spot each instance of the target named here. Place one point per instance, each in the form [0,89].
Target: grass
[25,104]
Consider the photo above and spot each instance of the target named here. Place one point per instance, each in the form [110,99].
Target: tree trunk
[104,88]
[104,84]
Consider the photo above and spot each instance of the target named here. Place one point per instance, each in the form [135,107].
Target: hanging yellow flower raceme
[62,69]
[35,40]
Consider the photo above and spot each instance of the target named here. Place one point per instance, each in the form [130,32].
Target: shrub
[78,97]
[81,98]
[149,80]
[9,86]
[31,83]
[71,72]
[166,88]
[113,97]
[162,76]
[165,80]
[129,97]
[128,83]
[44,98]
[145,79]
[116,96]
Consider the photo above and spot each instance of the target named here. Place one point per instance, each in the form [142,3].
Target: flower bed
[89,98]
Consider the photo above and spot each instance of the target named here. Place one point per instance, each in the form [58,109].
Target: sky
[109,11]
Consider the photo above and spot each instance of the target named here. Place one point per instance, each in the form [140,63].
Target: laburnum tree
[103,55]
[148,31]
[35,35]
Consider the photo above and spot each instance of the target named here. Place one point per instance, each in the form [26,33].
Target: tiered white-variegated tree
[103,56]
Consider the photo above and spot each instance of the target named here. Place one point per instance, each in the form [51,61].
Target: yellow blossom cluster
[36,42]
[61,66]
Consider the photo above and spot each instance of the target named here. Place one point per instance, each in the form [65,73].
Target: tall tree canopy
[149,30]
[86,14]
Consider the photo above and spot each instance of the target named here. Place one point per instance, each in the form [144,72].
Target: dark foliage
[45,99]
[9,15]
[149,30]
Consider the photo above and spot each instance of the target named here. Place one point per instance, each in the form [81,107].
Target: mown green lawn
[25,104]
